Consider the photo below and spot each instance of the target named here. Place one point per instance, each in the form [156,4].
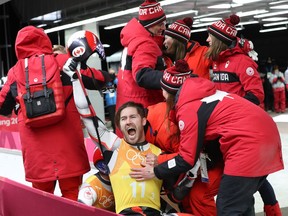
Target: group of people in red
[190,125]
[275,86]
[227,62]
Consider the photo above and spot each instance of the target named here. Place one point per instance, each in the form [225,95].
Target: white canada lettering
[151,10]
[142,11]
[231,31]
[178,79]
[156,9]
[174,79]
[220,24]
[220,77]
[183,30]
[166,76]
[173,26]
[180,29]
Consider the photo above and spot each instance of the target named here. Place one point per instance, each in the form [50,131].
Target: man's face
[132,125]
[158,29]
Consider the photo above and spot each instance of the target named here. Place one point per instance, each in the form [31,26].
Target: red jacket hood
[139,32]
[31,41]
[233,51]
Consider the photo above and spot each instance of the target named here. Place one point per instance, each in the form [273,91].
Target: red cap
[151,13]
[180,29]
[225,30]
[174,77]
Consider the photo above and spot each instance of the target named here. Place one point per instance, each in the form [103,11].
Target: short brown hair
[139,107]
[59,49]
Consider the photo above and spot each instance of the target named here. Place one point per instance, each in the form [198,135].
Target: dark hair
[139,107]
[170,105]
[180,49]
[217,47]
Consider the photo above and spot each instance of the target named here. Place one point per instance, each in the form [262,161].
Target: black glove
[69,68]
[73,65]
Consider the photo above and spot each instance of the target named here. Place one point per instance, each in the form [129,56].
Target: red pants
[279,100]
[69,186]
[200,201]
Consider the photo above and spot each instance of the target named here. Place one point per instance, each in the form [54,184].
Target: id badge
[203,167]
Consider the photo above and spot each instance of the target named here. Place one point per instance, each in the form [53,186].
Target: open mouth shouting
[131,134]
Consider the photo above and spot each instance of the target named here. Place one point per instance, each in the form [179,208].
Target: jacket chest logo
[227,64]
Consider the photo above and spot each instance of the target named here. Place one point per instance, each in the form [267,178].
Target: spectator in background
[269,98]
[142,63]
[53,153]
[234,71]
[111,96]
[269,65]
[286,84]
[267,87]
[286,77]
[277,80]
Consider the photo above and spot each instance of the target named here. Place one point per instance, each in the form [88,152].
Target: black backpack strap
[44,81]
[27,86]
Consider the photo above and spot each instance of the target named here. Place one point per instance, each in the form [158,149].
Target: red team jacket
[235,72]
[248,136]
[196,59]
[56,151]
[158,131]
[142,53]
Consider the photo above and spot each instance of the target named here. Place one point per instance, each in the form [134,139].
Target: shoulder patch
[250,71]
[181,125]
